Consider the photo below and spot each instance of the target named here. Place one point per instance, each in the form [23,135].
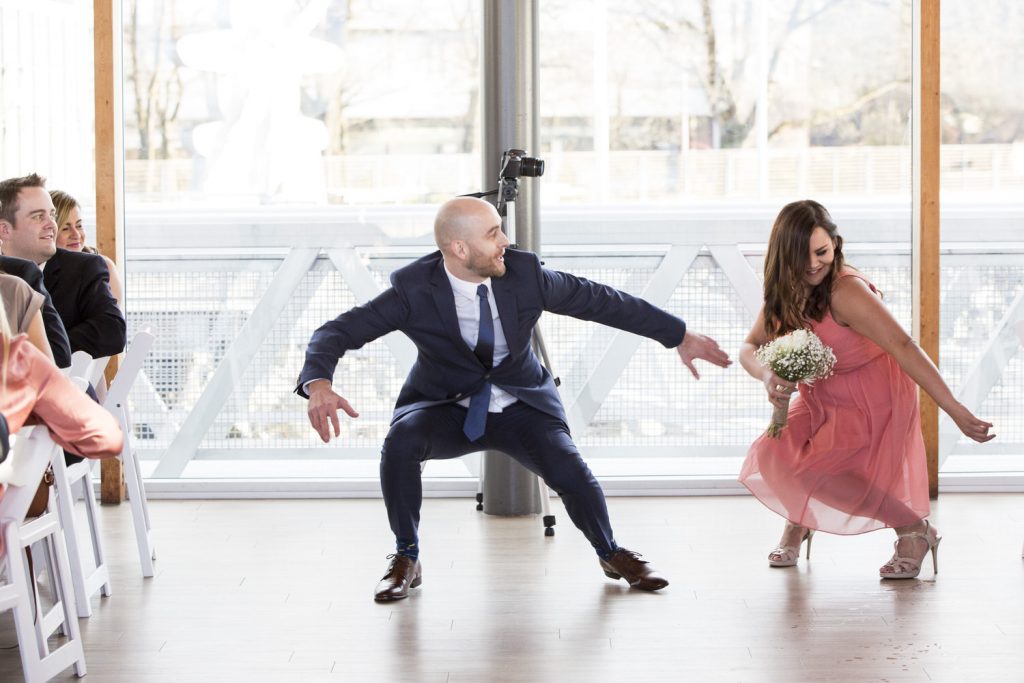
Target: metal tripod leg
[545,496]
[480,486]
[545,508]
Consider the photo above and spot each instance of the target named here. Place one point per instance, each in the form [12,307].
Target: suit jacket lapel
[51,273]
[444,301]
[505,298]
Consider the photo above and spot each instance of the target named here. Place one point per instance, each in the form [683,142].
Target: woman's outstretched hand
[972,426]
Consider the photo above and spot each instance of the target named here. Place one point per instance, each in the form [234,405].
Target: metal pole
[510,121]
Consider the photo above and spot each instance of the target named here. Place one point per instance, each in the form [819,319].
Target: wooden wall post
[109,176]
[925,253]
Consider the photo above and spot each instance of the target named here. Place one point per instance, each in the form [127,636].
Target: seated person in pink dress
[851,458]
[34,391]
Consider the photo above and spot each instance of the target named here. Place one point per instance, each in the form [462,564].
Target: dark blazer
[80,286]
[420,303]
[55,333]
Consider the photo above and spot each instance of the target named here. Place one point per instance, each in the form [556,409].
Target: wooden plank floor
[280,590]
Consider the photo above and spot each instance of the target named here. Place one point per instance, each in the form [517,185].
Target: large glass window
[982,304]
[272,102]
[282,158]
[279,176]
[673,133]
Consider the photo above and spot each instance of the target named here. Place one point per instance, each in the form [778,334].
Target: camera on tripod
[515,163]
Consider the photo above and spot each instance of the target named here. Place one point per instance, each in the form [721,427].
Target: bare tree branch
[822,117]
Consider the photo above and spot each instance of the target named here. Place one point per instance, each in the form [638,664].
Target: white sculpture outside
[263,150]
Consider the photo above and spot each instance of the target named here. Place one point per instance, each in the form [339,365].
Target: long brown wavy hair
[787,306]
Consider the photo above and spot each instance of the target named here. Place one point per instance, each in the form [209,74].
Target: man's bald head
[463,218]
[468,233]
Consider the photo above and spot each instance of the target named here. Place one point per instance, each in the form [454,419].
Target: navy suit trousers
[538,441]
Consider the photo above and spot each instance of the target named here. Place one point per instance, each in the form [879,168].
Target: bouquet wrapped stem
[799,356]
[780,416]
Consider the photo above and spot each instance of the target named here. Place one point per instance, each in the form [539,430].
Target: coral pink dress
[36,391]
[851,458]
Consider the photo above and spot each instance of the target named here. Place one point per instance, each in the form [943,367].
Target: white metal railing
[234,298]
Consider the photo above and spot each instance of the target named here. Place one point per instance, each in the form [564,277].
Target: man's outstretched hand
[324,405]
[696,346]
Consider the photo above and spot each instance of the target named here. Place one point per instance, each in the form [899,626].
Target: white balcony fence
[234,298]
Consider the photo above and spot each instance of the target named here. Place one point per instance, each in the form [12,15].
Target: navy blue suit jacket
[420,303]
[55,333]
[80,286]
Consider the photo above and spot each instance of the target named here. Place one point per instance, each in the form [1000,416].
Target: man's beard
[487,267]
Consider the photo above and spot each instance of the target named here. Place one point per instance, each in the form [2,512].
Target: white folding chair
[117,403]
[91,370]
[33,450]
[89,570]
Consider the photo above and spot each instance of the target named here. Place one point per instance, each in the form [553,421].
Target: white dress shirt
[467,309]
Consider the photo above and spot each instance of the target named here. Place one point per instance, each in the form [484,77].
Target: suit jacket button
[458,395]
[487,375]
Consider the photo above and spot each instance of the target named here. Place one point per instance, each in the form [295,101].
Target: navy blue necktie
[476,417]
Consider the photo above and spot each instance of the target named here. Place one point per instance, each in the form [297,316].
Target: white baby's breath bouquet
[799,356]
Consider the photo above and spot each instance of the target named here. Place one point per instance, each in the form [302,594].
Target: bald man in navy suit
[470,308]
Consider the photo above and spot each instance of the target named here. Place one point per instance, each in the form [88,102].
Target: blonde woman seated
[71,236]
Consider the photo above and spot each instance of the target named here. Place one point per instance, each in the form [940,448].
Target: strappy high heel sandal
[910,567]
[787,555]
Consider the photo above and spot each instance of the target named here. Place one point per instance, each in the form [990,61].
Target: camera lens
[532,167]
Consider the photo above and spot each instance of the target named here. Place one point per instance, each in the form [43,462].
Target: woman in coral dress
[33,390]
[851,458]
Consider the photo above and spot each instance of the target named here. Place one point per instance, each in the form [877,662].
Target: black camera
[515,163]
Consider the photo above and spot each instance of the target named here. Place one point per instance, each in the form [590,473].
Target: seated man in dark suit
[78,283]
[55,333]
[470,309]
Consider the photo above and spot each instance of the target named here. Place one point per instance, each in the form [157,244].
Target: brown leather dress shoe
[403,573]
[626,564]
